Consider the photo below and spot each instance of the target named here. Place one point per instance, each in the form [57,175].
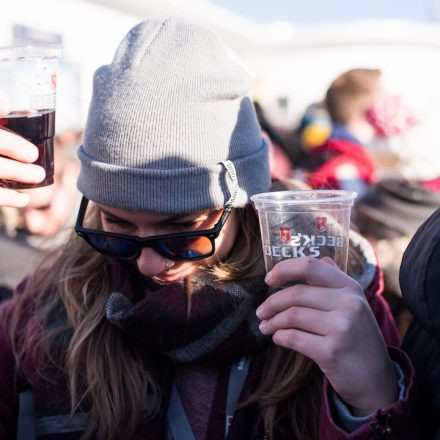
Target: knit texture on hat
[169,109]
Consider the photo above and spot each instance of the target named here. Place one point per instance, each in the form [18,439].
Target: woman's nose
[150,263]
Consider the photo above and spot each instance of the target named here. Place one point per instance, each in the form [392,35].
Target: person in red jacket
[154,320]
[342,162]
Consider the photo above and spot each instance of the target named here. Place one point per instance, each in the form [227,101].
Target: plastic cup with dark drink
[304,224]
[28,77]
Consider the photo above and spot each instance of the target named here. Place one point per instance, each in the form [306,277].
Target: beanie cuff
[156,190]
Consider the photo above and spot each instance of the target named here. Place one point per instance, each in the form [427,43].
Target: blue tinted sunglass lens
[112,246]
[186,248]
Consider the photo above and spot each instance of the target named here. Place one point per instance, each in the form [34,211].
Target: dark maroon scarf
[201,320]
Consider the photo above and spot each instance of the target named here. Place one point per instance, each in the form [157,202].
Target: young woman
[155,321]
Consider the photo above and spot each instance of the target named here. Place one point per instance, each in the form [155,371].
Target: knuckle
[277,339]
[297,291]
[267,304]
[310,262]
[355,285]
[292,315]
[354,305]
[284,338]
[291,339]
[278,268]
[270,305]
[310,265]
[343,326]
[281,270]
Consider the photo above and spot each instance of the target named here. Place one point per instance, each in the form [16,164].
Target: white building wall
[90,35]
[304,75]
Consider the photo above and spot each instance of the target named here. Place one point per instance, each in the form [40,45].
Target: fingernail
[40,173]
[268,277]
[262,327]
[32,153]
[259,312]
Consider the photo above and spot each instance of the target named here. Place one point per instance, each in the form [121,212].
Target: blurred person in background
[279,150]
[156,322]
[16,157]
[50,208]
[16,164]
[408,152]
[25,231]
[401,138]
[315,127]
[340,161]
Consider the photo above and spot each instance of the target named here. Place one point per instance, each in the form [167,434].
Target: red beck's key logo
[285,236]
[321,224]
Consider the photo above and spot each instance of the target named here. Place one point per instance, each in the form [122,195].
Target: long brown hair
[77,279]
[289,393]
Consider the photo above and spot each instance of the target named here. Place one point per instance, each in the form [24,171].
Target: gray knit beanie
[164,116]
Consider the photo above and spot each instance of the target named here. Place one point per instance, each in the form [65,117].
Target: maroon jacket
[51,398]
[400,420]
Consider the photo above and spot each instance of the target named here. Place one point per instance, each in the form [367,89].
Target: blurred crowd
[362,137]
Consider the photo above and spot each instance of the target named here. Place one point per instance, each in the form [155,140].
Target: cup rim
[278,197]
[30,51]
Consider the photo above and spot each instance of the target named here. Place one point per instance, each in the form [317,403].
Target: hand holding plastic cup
[28,91]
[309,223]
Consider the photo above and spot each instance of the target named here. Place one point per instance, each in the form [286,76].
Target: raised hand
[327,318]
[16,157]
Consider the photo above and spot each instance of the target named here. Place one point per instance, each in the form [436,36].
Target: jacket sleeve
[9,379]
[382,312]
[8,401]
[399,420]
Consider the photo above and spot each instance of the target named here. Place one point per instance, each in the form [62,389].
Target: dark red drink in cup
[38,128]
[27,102]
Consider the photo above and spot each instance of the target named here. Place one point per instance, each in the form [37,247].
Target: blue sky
[321,11]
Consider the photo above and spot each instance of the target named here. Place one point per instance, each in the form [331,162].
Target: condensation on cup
[307,223]
[28,78]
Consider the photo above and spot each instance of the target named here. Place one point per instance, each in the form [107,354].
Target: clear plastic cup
[28,77]
[309,223]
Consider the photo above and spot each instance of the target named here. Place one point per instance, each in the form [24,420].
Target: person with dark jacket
[419,282]
[154,320]
[388,215]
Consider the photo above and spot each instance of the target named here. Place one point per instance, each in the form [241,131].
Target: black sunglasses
[182,246]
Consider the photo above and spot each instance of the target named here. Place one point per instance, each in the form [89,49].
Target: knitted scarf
[188,332]
[201,320]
